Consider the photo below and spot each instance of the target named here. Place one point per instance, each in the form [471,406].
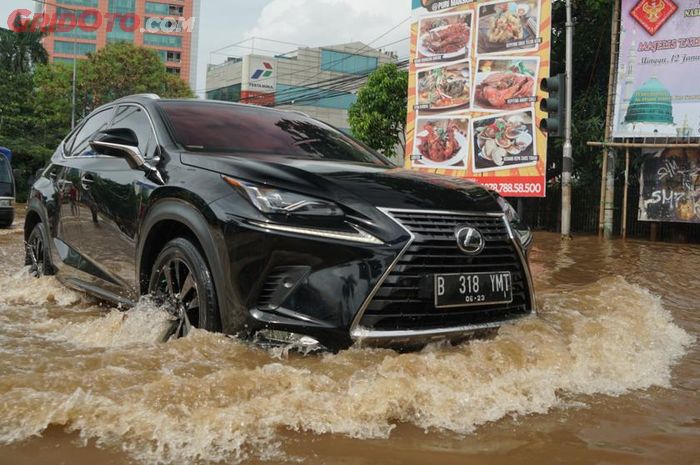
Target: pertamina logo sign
[652,14]
[265,72]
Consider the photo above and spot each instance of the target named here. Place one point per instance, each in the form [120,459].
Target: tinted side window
[136,119]
[5,174]
[96,123]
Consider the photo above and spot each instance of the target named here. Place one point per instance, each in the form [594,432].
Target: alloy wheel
[36,251]
[176,289]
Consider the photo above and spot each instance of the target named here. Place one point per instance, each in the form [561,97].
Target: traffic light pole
[567,159]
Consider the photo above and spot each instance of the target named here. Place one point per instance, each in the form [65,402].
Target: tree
[21,51]
[378,118]
[35,113]
[123,69]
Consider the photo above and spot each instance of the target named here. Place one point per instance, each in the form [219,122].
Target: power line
[334,62]
[317,82]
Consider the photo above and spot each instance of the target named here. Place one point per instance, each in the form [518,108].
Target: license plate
[466,289]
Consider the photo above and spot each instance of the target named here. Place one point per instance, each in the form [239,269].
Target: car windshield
[220,127]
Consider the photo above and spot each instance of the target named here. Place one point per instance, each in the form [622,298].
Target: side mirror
[16,173]
[121,143]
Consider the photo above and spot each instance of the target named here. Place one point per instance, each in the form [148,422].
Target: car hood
[351,184]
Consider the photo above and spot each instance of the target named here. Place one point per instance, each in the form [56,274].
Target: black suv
[7,193]
[254,221]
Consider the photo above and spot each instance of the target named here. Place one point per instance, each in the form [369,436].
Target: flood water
[608,373]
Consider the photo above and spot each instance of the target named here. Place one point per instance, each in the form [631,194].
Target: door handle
[86,181]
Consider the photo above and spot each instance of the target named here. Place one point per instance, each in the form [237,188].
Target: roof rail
[150,96]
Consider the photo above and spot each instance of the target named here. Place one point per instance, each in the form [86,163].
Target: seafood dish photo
[444,88]
[504,24]
[505,84]
[504,141]
[505,27]
[444,37]
[441,142]
[499,88]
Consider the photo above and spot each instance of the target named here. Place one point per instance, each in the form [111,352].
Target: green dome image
[651,103]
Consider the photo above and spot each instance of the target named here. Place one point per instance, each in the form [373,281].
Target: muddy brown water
[608,373]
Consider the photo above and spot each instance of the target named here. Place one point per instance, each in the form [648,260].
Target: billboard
[473,92]
[670,186]
[656,95]
[259,81]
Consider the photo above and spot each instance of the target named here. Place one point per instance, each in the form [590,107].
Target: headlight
[275,201]
[521,230]
[5,202]
[511,215]
[299,214]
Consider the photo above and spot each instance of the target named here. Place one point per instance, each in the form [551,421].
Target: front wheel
[181,281]
[37,252]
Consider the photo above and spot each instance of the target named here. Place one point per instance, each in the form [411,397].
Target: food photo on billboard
[507,27]
[444,88]
[507,83]
[441,142]
[504,141]
[444,38]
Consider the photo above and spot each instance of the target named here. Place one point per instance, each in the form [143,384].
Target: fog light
[302,342]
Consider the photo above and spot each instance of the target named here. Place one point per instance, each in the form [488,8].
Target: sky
[304,22]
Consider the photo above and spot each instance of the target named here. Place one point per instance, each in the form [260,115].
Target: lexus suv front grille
[405,301]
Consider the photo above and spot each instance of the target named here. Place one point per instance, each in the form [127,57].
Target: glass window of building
[162,40]
[347,63]
[228,94]
[71,16]
[93,3]
[122,30]
[122,6]
[73,48]
[157,8]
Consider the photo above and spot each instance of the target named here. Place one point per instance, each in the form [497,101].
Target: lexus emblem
[469,240]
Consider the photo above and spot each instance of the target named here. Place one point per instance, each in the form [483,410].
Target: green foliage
[123,69]
[21,51]
[35,113]
[378,118]
[591,65]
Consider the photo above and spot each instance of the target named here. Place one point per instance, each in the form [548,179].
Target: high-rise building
[171,27]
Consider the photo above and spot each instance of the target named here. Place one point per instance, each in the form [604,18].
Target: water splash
[209,398]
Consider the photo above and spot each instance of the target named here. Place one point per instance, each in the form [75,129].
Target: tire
[38,256]
[181,266]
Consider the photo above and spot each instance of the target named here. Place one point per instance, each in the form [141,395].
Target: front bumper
[7,215]
[342,293]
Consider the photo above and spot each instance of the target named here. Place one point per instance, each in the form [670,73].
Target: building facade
[171,27]
[321,82]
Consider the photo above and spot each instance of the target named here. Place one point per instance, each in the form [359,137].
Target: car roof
[149,100]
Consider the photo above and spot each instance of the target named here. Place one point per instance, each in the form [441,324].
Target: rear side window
[212,127]
[5,173]
[80,146]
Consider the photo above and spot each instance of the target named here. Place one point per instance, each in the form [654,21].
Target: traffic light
[554,105]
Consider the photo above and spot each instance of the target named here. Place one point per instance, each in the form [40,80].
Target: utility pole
[607,176]
[75,75]
[567,159]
